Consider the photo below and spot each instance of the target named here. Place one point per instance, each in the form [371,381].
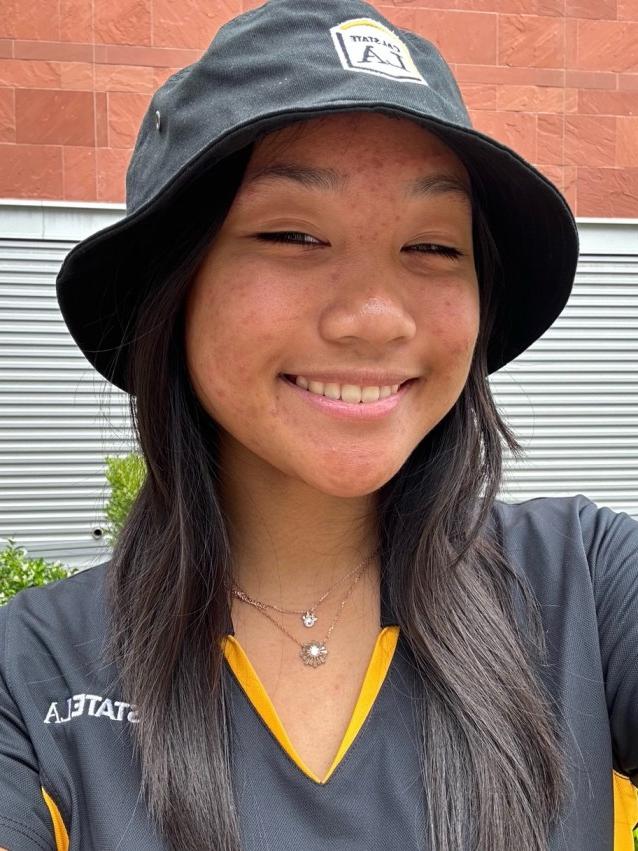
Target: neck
[294,573]
[290,543]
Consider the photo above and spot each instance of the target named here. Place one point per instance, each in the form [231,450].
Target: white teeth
[316,387]
[370,394]
[332,391]
[346,392]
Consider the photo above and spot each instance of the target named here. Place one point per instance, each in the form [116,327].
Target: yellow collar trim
[375,675]
[625,812]
[59,830]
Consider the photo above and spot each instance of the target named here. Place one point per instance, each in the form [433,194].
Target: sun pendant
[309,619]
[313,654]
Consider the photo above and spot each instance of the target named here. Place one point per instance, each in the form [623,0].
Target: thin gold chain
[336,617]
[242,595]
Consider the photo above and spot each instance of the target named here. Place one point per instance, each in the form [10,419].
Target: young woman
[319,629]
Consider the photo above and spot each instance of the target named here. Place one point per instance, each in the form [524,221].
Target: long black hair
[493,771]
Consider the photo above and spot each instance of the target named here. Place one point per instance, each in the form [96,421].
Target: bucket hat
[287,61]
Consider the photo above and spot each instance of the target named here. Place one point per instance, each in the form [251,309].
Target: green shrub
[18,571]
[125,474]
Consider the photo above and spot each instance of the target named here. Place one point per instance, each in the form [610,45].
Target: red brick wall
[555,79]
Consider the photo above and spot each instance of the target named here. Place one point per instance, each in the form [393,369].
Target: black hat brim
[103,278]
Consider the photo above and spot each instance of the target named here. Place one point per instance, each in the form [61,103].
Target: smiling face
[376,274]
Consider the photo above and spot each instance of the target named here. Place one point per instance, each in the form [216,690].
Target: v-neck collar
[254,691]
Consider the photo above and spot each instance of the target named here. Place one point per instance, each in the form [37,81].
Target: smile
[341,409]
[350,393]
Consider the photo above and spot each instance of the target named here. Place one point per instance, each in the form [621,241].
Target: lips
[343,410]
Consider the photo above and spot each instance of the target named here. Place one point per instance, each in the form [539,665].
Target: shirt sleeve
[25,822]
[611,541]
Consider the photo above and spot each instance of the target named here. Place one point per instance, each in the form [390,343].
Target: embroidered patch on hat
[364,44]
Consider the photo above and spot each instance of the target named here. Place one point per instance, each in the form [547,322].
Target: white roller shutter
[572,398]
[58,417]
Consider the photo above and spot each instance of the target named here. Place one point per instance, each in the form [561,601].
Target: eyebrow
[327,179]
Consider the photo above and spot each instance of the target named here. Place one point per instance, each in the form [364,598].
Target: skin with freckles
[356,294]
[359,282]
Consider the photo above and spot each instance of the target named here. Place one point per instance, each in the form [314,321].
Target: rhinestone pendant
[308,619]
[313,654]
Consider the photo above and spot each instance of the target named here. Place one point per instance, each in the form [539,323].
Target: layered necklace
[312,653]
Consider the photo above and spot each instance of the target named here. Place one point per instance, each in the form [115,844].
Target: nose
[366,303]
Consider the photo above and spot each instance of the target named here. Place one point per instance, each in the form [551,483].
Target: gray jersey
[67,775]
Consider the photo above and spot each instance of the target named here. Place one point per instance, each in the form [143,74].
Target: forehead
[356,150]
[357,143]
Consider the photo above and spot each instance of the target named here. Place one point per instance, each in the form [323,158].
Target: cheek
[231,329]
[450,330]
[452,324]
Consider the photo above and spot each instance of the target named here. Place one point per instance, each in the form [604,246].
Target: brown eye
[434,248]
[288,236]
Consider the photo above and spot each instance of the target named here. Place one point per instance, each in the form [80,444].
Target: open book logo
[366,45]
